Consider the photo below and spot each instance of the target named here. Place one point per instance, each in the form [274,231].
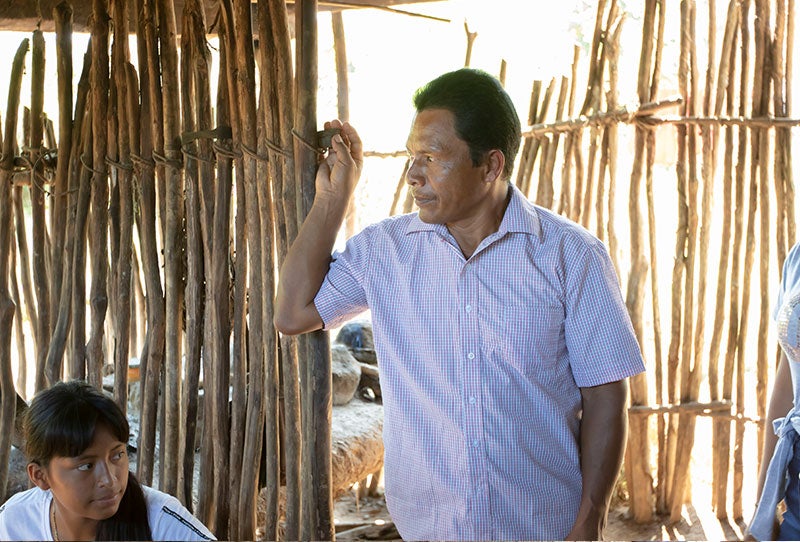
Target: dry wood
[196,105]
[276,85]
[318,524]
[241,302]
[19,333]
[7,392]
[78,307]
[470,43]
[538,112]
[122,264]
[565,204]
[25,266]
[174,255]
[98,295]
[636,457]
[150,140]
[216,363]
[39,260]
[62,17]
[791,227]
[243,496]
[63,224]
[343,101]
[544,187]
[726,79]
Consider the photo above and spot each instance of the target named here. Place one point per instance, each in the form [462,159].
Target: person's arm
[604,429]
[780,402]
[307,261]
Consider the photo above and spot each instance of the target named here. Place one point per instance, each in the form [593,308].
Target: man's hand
[339,171]
[602,444]
[307,261]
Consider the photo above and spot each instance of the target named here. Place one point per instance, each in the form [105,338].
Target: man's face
[447,187]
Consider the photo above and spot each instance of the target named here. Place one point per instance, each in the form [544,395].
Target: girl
[779,479]
[75,441]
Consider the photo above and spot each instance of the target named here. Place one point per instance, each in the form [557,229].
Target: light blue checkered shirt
[481,362]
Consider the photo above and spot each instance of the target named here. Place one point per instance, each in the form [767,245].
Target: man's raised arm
[307,261]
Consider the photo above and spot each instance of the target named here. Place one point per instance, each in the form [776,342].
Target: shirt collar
[520,217]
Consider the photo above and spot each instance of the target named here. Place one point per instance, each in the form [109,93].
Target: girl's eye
[429,159]
[85,467]
[119,455]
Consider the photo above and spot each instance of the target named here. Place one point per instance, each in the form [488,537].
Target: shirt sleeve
[175,522]
[342,295]
[598,332]
[789,277]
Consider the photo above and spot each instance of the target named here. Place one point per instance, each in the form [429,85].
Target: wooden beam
[25,15]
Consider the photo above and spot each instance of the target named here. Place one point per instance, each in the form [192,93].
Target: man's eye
[429,159]
[119,454]
[85,467]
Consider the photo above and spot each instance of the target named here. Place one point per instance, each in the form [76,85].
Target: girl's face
[86,488]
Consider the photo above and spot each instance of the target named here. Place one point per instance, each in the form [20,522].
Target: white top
[26,516]
[787,319]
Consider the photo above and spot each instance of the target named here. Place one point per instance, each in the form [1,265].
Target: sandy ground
[698,522]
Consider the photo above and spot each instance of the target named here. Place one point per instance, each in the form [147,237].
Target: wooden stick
[7,392]
[317,431]
[98,297]
[270,35]
[470,42]
[41,280]
[153,350]
[343,101]
[725,80]
[63,224]
[123,264]
[636,458]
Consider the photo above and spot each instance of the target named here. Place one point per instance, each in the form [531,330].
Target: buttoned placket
[472,399]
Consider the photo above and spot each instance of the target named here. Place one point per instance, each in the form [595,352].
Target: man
[503,341]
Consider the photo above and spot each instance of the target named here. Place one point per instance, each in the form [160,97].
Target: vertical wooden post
[122,265]
[98,296]
[63,224]
[7,392]
[317,430]
[38,221]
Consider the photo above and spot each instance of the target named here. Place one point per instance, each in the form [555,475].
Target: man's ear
[38,476]
[495,162]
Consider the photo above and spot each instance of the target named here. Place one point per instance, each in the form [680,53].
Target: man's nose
[414,173]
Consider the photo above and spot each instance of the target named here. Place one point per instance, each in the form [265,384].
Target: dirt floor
[698,523]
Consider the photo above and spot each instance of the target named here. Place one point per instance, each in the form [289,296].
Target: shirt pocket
[532,336]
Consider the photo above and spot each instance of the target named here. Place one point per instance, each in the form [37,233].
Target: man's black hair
[485,117]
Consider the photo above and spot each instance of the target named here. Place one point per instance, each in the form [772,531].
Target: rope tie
[253,154]
[90,167]
[276,149]
[227,153]
[306,144]
[196,157]
[142,163]
[127,166]
[162,160]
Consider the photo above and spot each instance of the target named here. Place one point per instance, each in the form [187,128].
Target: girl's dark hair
[485,117]
[61,421]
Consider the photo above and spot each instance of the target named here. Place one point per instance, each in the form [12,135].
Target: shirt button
[475,443]
[468,308]
[472,400]
[470,356]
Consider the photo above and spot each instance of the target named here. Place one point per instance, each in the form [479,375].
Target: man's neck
[470,235]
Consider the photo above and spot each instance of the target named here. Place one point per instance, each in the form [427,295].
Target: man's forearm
[602,445]
[305,267]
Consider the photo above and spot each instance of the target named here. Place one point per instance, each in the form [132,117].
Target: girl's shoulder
[170,520]
[23,516]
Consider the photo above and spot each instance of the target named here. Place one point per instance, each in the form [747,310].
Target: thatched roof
[24,15]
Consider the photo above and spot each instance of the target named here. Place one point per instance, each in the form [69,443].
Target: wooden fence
[186,216]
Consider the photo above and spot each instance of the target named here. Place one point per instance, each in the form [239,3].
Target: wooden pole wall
[196,213]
